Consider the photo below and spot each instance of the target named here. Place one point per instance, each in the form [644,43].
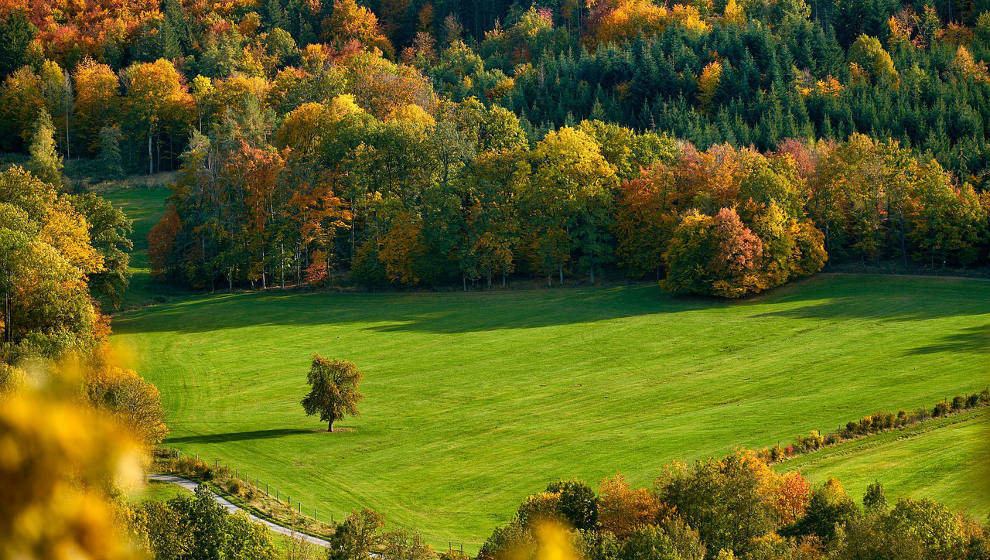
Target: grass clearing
[143,204]
[475,400]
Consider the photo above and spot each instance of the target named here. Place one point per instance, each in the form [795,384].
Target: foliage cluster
[735,507]
[874,423]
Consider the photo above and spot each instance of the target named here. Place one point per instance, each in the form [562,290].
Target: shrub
[958,402]
[941,409]
[875,496]
[577,503]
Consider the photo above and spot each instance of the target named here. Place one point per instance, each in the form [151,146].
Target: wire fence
[259,486]
[269,491]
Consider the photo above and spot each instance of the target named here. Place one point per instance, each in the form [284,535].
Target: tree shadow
[237,436]
[435,312]
[888,298]
[971,340]
[821,297]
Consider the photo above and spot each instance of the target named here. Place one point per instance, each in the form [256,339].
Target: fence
[269,491]
[260,487]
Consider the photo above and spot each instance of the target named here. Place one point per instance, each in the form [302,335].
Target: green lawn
[944,458]
[143,205]
[156,491]
[475,400]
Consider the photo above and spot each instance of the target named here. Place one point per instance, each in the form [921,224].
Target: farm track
[233,508]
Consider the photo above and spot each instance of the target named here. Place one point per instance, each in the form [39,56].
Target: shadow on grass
[974,340]
[237,436]
[823,297]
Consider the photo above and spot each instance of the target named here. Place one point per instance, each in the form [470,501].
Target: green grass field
[945,459]
[475,400]
[143,205]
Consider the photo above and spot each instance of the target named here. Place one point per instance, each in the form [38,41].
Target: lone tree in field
[334,389]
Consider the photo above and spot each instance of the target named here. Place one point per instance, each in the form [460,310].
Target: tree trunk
[330,426]
[151,156]
[8,335]
[67,94]
[592,275]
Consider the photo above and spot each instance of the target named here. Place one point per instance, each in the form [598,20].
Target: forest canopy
[722,147]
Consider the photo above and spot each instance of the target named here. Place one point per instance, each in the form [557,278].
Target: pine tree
[110,161]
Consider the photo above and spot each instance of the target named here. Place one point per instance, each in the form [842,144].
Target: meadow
[944,458]
[475,400]
[143,203]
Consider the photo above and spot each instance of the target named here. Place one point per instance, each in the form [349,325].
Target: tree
[109,157]
[351,22]
[199,527]
[16,33]
[21,99]
[156,95]
[46,255]
[97,102]
[45,163]
[358,537]
[623,509]
[334,390]
[121,393]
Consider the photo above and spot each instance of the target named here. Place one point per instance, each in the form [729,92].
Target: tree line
[461,196]
[441,165]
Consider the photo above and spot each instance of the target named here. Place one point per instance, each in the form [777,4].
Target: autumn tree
[352,22]
[715,255]
[97,102]
[47,256]
[21,100]
[569,199]
[333,393]
[155,95]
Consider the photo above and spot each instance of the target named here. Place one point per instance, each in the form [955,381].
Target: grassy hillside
[945,458]
[475,400]
[143,203]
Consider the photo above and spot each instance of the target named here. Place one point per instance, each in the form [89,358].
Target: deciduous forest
[311,154]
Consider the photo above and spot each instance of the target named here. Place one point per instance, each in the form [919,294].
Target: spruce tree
[110,161]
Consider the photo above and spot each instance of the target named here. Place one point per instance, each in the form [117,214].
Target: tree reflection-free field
[475,400]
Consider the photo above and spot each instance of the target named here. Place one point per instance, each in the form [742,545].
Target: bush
[577,503]
[941,409]
[958,402]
